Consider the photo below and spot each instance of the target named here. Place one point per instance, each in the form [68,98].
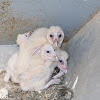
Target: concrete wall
[19,16]
[84,55]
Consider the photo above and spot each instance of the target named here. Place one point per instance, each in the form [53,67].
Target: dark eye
[51,35]
[26,35]
[60,61]
[60,35]
[48,51]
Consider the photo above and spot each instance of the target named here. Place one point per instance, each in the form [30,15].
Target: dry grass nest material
[55,92]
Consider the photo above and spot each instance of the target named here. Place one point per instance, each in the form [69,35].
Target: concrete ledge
[84,61]
[6,51]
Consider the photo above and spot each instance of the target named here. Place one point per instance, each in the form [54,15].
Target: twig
[46,96]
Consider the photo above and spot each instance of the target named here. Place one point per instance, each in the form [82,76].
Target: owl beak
[55,57]
[56,42]
[64,68]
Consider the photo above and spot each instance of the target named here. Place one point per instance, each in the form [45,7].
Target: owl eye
[59,35]
[47,51]
[26,35]
[60,61]
[51,35]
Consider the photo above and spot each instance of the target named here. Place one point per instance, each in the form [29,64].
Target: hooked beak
[55,41]
[64,68]
[55,57]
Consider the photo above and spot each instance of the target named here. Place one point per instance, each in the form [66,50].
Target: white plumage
[32,66]
[37,78]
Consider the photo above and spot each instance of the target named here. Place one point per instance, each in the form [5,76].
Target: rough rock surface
[84,61]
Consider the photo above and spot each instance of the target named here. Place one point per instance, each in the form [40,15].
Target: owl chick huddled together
[39,53]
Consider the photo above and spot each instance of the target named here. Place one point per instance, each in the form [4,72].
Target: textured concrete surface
[6,51]
[84,61]
[19,16]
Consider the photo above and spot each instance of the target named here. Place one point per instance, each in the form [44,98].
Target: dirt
[55,92]
[11,25]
